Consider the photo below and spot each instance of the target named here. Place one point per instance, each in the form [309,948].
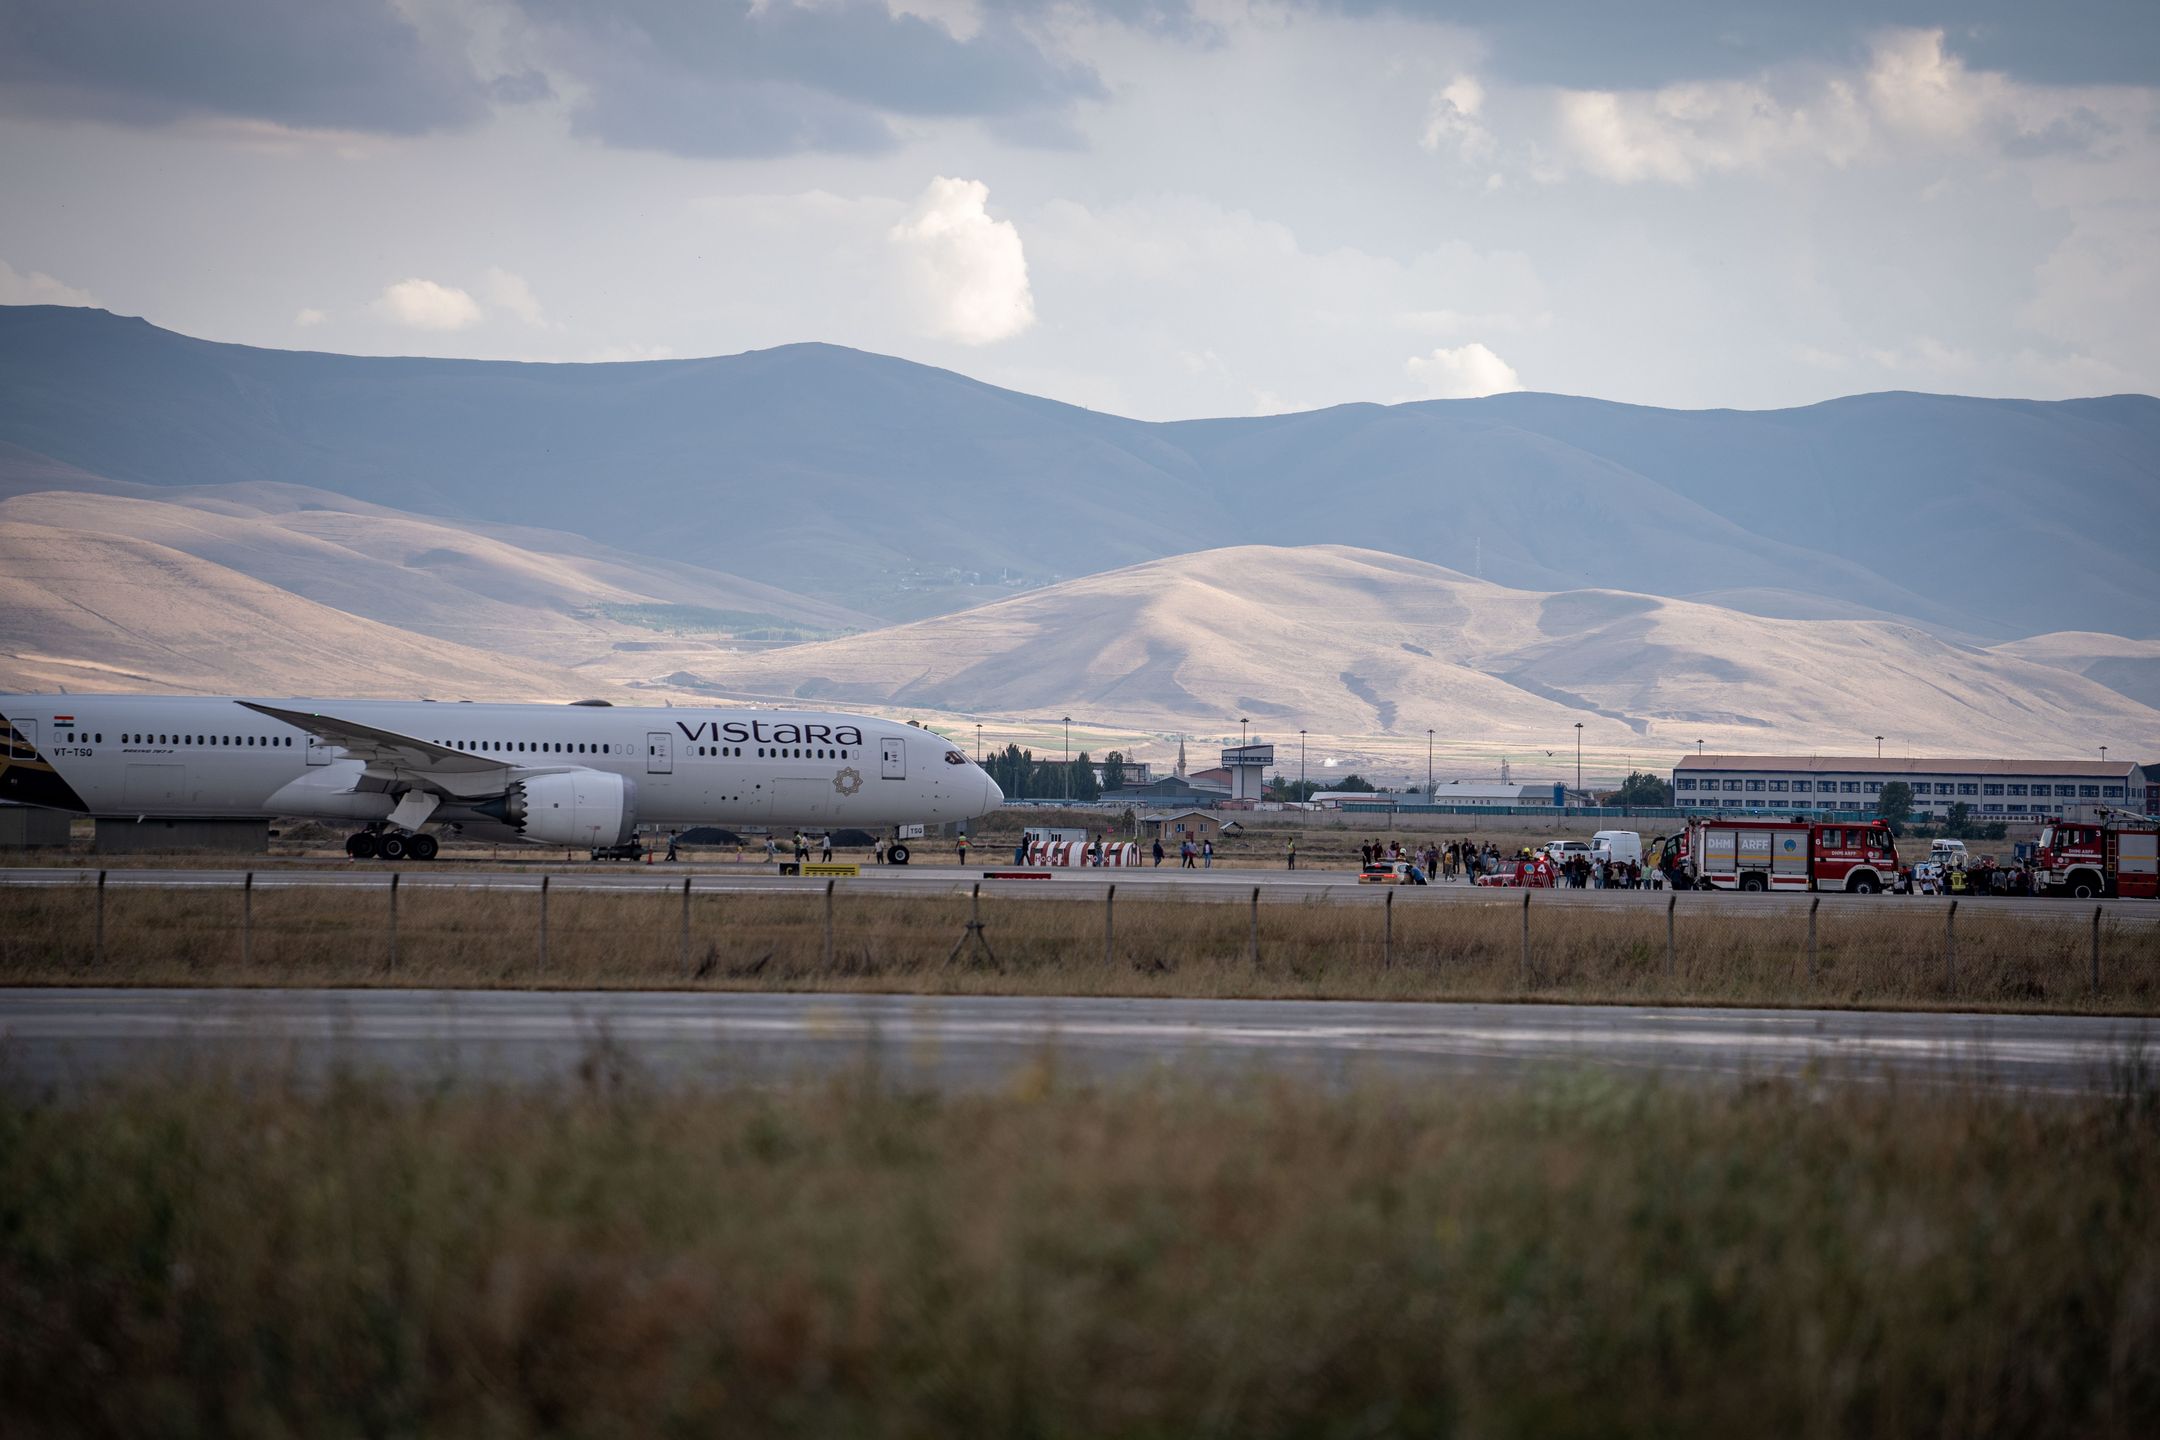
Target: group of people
[1456,860]
[1984,877]
[1191,855]
[1602,872]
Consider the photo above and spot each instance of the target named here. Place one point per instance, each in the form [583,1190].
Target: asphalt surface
[60,1037]
[1224,885]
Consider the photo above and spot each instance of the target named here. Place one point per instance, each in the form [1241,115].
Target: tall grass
[247,1254]
[1886,954]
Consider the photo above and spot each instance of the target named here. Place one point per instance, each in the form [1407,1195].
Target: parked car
[1391,872]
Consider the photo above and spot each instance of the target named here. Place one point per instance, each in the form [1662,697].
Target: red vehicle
[2087,860]
[1536,873]
[1789,855]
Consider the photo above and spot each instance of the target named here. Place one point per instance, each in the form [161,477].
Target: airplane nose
[992,795]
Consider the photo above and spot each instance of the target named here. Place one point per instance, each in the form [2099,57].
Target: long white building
[2008,790]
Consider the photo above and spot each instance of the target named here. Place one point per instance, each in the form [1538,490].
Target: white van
[1621,847]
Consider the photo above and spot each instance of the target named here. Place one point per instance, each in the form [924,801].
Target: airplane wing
[385,751]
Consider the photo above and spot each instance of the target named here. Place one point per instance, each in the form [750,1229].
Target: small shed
[1177,826]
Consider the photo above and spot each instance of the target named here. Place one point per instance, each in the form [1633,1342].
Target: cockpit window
[954,757]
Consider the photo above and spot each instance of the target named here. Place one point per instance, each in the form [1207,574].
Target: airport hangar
[2006,790]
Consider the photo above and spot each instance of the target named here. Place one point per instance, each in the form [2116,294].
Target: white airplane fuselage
[156,756]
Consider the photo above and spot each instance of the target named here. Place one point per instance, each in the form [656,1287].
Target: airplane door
[895,757]
[659,753]
[25,739]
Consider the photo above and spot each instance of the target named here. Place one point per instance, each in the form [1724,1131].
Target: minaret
[1180,770]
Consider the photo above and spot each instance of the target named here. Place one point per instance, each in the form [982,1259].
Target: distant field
[253,1254]
[1883,956]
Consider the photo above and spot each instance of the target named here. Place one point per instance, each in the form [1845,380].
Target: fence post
[543,921]
[1109,926]
[1256,927]
[247,921]
[1526,939]
[98,950]
[686,922]
[1950,950]
[1387,934]
[828,922]
[2096,950]
[1671,950]
[393,919]
[1812,906]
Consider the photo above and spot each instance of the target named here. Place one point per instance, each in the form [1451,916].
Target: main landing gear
[390,845]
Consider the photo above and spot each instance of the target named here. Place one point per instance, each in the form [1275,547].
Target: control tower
[1248,766]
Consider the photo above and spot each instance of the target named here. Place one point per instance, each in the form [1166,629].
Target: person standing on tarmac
[1158,852]
[960,845]
[1291,853]
[671,855]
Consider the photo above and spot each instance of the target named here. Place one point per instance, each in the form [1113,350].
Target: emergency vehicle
[1789,855]
[2118,855]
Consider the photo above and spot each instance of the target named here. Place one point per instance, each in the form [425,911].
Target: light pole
[1878,747]
[1241,724]
[978,742]
[2103,754]
[1428,767]
[1068,759]
[1302,797]
[1578,757]
[1698,747]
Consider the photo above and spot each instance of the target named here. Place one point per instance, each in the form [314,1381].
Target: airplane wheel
[896,854]
[422,847]
[360,846]
[391,847]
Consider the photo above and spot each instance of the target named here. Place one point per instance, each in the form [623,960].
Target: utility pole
[1578,757]
[1428,767]
[1302,797]
[1068,759]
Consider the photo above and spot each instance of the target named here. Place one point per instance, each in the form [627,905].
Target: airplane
[584,774]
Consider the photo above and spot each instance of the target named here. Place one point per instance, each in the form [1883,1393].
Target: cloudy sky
[1165,208]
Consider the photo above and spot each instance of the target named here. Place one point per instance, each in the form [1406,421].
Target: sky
[1161,208]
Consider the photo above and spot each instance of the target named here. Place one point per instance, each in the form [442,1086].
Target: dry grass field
[250,1255]
[1362,949]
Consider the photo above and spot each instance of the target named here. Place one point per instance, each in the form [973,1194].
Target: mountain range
[1356,642]
[818,523]
[902,490]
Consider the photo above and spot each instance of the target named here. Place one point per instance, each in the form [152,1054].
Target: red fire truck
[1788,855]
[2116,855]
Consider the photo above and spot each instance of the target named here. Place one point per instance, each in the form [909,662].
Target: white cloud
[513,293]
[1913,84]
[967,270]
[1463,373]
[424,305]
[1451,121]
[37,288]
[1682,132]
[309,317]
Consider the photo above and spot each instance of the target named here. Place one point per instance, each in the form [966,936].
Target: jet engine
[572,807]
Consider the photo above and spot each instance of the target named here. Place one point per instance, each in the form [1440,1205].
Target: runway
[1221,885]
[62,1037]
